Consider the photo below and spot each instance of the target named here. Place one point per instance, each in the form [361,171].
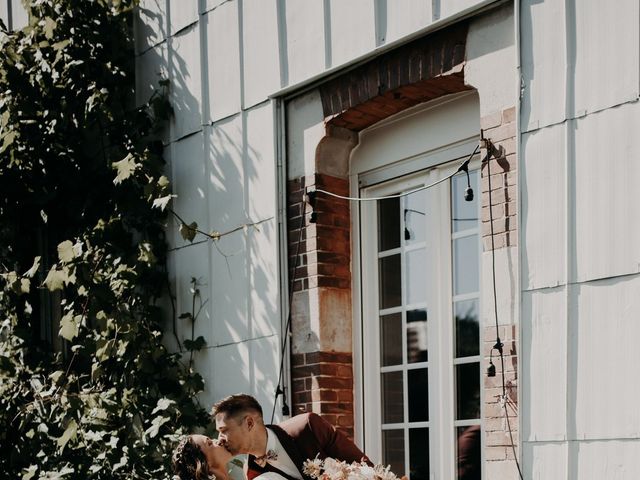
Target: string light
[464,167]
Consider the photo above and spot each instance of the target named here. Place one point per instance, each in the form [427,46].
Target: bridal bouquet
[332,469]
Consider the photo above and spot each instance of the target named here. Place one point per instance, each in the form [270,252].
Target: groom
[279,448]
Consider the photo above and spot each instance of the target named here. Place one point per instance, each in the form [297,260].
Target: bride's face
[216,455]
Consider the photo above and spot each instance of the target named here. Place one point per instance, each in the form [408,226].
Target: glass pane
[418,385]
[465,265]
[391,339]
[415,217]
[388,224]
[417,347]
[465,214]
[468,453]
[467,328]
[390,287]
[419,453]
[468,391]
[393,450]
[416,268]
[392,406]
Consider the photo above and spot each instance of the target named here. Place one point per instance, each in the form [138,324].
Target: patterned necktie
[263,459]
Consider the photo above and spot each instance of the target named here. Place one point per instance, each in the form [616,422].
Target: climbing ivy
[87,387]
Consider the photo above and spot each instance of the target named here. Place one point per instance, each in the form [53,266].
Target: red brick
[297,359]
[330,407]
[301,397]
[332,382]
[345,421]
[335,357]
[327,395]
[344,371]
[345,395]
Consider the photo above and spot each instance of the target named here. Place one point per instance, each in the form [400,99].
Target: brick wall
[500,128]
[323,383]
[322,380]
[324,253]
[497,440]
[422,70]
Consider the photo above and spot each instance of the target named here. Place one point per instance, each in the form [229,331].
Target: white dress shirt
[283,462]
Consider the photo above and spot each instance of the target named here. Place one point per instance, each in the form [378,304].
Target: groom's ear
[250,422]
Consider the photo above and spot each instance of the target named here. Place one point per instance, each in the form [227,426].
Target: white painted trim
[280,145]
[442,422]
[358,340]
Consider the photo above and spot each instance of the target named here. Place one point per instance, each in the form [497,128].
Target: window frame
[440,305]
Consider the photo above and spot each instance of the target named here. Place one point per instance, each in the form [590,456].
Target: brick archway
[322,361]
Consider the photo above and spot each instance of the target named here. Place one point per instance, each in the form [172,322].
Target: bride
[198,457]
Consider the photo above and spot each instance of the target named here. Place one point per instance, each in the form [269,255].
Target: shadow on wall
[241,320]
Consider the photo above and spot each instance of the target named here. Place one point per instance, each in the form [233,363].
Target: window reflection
[419,453]
[467,328]
[391,339]
[468,453]
[416,273]
[390,281]
[417,344]
[389,224]
[392,398]
[418,386]
[468,391]
[393,450]
[466,265]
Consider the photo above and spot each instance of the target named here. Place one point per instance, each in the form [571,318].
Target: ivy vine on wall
[87,387]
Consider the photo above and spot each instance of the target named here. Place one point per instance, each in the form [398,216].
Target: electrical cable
[498,346]
[463,168]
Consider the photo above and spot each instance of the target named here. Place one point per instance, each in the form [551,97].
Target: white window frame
[440,306]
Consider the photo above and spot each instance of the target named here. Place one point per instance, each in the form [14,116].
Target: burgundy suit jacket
[305,436]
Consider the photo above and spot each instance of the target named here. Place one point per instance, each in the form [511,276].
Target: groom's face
[234,433]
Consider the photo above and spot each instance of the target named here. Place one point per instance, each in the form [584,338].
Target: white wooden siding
[544,352]
[544,66]
[185,77]
[150,24]
[543,188]
[260,50]
[607,172]
[581,240]
[221,29]
[305,38]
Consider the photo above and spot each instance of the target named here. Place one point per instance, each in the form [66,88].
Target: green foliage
[82,248]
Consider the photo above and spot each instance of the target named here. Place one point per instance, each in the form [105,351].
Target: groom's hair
[237,404]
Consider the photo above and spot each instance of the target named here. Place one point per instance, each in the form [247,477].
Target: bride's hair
[189,462]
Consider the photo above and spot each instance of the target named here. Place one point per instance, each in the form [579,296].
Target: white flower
[332,469]
[313,468]
[335,469]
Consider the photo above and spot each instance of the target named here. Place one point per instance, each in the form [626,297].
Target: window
[420,258]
